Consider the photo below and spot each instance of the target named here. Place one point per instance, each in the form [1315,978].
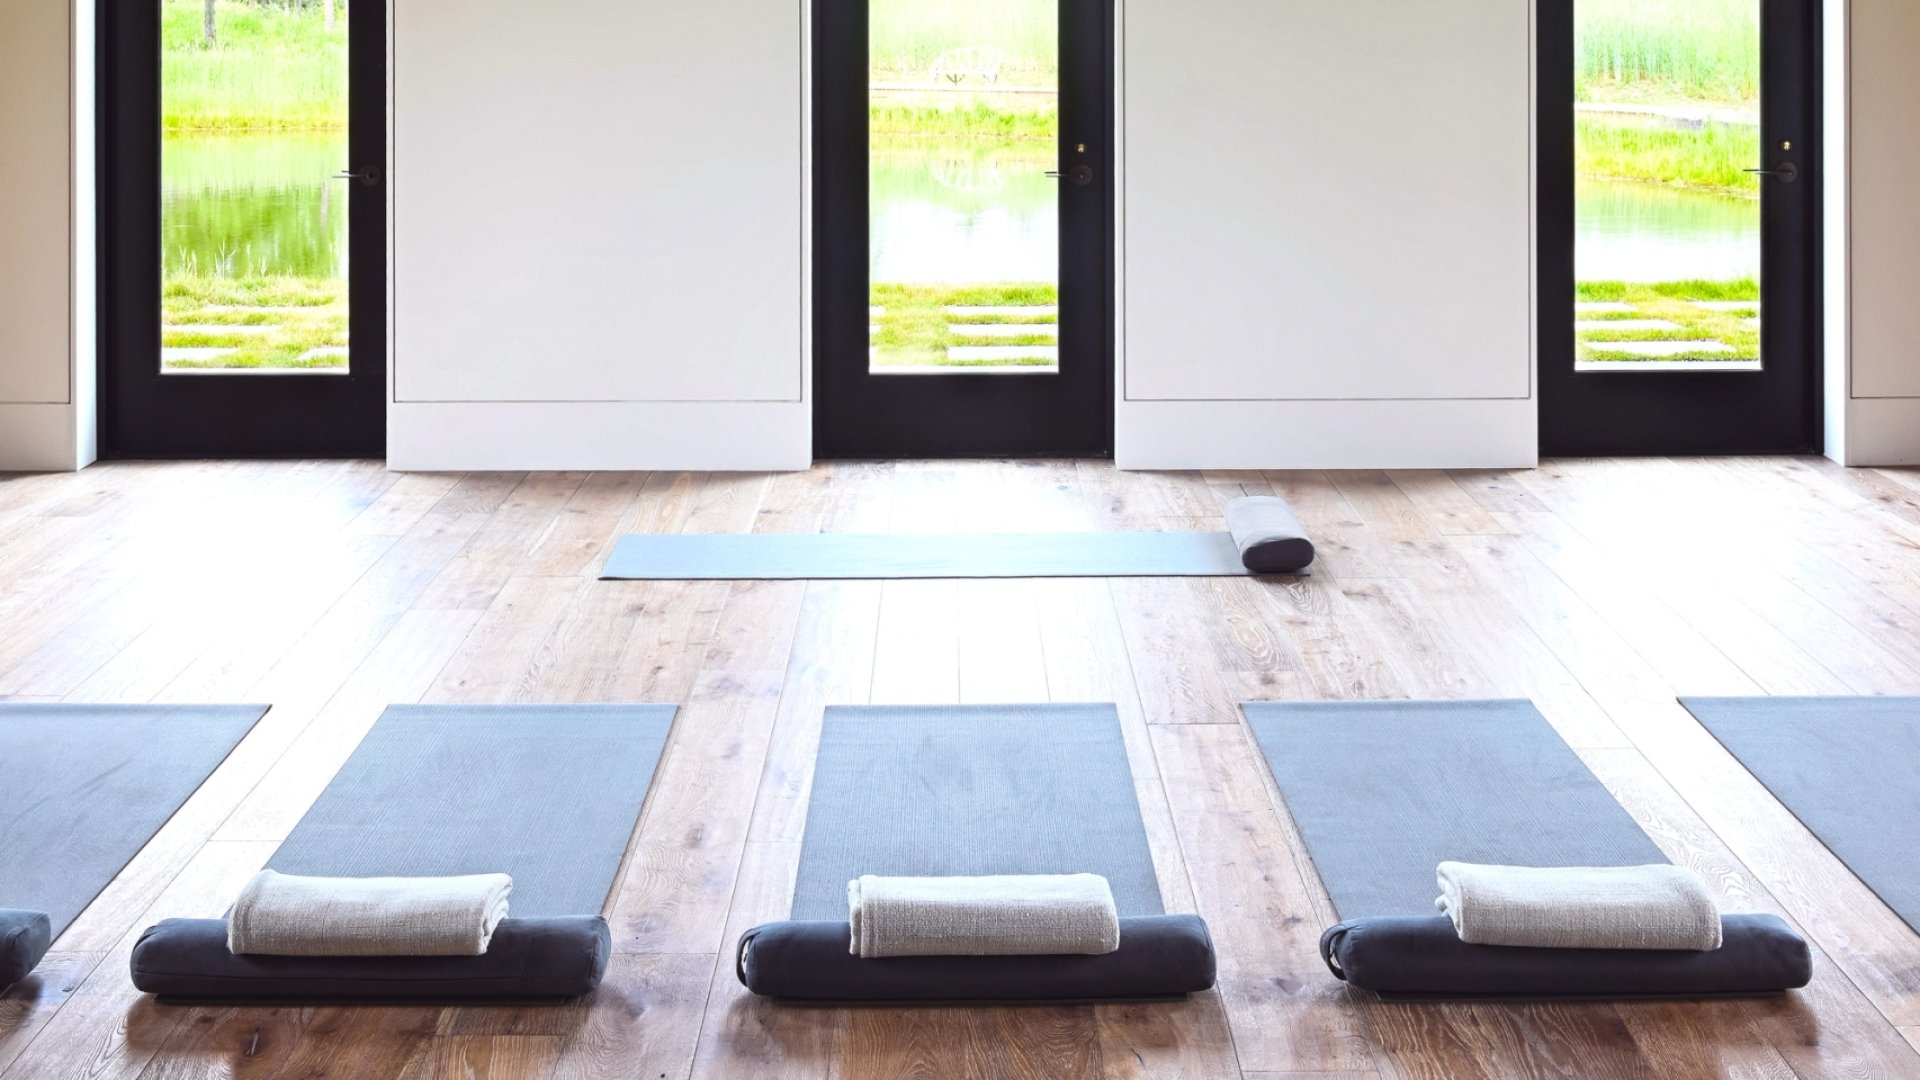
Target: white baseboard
[1486,434]
[1882,431]
[515,436]
[39,437]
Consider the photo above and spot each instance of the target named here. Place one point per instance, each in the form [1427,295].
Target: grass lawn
[270,68]
[914,327]
[304,314]
[1674,302]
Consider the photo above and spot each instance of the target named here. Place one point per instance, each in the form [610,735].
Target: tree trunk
[206,24]
[329,14]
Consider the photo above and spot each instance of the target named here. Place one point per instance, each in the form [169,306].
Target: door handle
[1079,175]
[1787,173]
[369,176]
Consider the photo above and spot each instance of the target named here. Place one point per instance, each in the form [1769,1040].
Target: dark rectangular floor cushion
[1160,957]
[1422,957]
[534,959]
[24,939]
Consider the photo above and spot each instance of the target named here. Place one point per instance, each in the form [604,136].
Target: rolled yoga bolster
[1007,915]
[1271,539]
[529,960]
[284,915]
[24,938]
[1580,907]
[1160,957]
[1422,957]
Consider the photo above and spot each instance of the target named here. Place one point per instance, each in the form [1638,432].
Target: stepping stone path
[1036,311]
[994,330]
[323,352]
[220,330]
[1003,352]
[1587,326]
[1655,351]
[196,354]
[1662,349]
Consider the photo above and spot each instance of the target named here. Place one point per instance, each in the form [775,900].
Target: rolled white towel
[282,915]
[1043,915]
[1580,907]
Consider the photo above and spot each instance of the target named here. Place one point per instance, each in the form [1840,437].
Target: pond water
[1647,233]
[254,205]
[264,205]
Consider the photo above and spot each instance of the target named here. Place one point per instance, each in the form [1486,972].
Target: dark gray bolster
[1423,957]
[24,939]
[527,960]
[1160,956]
[1271,539]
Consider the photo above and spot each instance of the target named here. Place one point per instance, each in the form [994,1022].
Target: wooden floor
[1601,589]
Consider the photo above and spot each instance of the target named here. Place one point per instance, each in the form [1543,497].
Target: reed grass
[270,68]
[1667,50]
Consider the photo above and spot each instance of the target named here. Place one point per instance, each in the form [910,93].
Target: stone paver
[193,355]
[218,329]
[1662,349]
[324,352]
[1602,307]
[1004,352]
[1015,311]
[1005,330]
[1726,305]
[1586,326]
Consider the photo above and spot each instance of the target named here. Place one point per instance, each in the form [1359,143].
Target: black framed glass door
[962,228]
[1679,207]
[242,228]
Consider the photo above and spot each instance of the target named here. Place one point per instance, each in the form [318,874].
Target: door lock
[368,176]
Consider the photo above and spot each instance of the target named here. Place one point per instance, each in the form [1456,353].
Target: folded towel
[1271,539]
[982,916]
[281,915]
[1580,907]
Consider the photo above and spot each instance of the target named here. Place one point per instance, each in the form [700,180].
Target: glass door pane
[254,98]
[1668,217]
[964,218]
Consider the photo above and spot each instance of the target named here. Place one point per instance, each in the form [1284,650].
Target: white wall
[599,245]
[1873,231]
[45,322]
[1326,234]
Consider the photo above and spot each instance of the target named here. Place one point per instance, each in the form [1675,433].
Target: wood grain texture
[1601,589]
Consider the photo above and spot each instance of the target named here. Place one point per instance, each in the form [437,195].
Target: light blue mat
[548,794]
[88,785]
[830,556]
[943,790]
[1383,792]
[1848,768]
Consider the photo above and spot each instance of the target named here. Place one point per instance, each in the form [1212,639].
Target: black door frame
[145,414]
[1776,410]
[860,415]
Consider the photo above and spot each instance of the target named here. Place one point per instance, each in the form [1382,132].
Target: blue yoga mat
[88,785]
[1848,768]
[1383,792]
[830,556]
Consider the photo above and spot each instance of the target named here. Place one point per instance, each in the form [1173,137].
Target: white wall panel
[597,201]
[1327,199]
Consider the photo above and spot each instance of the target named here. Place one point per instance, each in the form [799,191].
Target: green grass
[271,68]
[905,37]
[1670,301]
[316,318]
[1667,50]
[975,119]
[1709,158]
[913,331]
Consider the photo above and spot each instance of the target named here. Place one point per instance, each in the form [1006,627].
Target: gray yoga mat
[86,786]
[830,556]
[972,790]
[1847,767]
[1384,791]
[548,794]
